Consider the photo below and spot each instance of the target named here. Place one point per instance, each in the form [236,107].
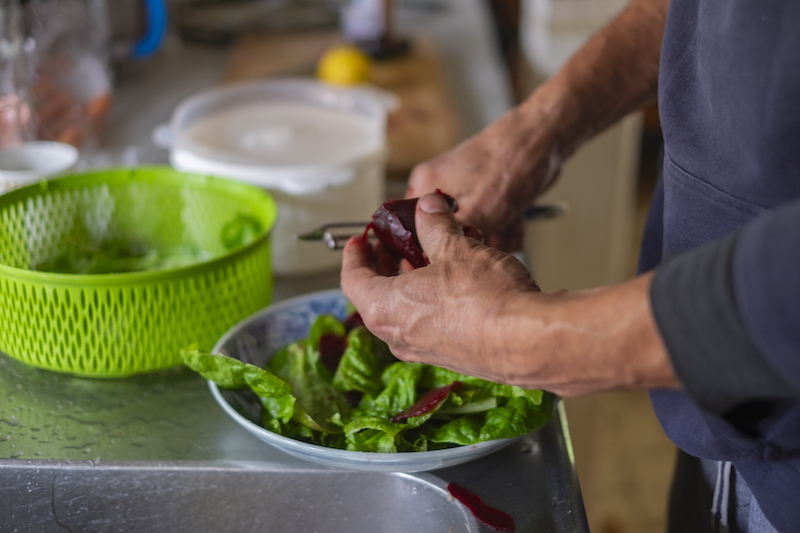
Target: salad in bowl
[306,376]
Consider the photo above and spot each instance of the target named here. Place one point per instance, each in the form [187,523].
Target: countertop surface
[80,454]
[156,453]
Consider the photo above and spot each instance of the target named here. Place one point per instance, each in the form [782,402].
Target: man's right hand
[494,175]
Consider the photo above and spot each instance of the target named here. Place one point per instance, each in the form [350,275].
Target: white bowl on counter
[34,161]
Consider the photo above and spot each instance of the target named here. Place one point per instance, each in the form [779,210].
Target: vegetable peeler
[335,241]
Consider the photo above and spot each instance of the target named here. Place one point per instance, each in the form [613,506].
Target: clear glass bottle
[16,117]
[72,81]
[368,25]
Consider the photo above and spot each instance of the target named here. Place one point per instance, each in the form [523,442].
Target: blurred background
[99,79]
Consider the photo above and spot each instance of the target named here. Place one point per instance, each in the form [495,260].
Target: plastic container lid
[252,166]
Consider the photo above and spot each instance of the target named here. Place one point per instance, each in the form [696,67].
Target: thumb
[436,226]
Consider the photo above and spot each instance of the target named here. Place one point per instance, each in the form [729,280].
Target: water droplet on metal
[17,454]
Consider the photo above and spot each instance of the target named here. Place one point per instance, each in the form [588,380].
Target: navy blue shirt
[724,235]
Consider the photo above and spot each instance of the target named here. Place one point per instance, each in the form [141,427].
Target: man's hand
[477,311]
[494,175]
[500,171]
[442,313]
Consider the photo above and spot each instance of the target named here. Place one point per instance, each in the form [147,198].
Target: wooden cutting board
[426,123]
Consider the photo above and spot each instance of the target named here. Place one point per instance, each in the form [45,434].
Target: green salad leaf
[373,402]
[118,257]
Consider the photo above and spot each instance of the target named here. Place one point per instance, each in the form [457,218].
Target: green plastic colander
[115,325]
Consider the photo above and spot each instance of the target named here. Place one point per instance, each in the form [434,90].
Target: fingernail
[433,203]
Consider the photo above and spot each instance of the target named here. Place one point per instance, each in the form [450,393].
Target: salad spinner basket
[115,325]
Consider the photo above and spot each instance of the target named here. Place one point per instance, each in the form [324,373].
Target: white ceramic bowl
[34,161]
[257,338]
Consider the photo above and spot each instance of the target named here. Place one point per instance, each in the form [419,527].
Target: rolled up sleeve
[729,313]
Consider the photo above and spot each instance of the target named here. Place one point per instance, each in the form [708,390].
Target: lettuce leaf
[311,384]
[519,416]
[358,369]
[229,373]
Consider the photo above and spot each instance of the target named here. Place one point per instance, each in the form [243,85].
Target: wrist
[581,342]
[554,111]
[532,141]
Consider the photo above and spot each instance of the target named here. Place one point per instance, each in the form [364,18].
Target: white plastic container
[551,31]
[319,150]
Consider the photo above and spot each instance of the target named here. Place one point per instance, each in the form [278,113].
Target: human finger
[473,231]
[358,270]
[436,226]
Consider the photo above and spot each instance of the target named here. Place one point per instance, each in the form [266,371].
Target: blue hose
[156,13]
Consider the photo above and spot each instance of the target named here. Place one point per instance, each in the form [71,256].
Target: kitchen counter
[155,453]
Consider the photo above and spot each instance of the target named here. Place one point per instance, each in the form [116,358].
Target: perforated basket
[114,325]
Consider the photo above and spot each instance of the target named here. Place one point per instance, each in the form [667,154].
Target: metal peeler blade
[334,241]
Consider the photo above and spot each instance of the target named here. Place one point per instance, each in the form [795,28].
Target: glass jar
[16,118]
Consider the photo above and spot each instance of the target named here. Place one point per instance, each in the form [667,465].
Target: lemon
[343,65]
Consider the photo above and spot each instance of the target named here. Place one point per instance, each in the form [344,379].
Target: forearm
[614,73]
[584,341]
[498,172]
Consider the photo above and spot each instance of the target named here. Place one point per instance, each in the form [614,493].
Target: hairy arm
[498,172]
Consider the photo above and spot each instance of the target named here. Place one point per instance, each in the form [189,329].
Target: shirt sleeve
[729,313]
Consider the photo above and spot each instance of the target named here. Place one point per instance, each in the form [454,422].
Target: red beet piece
[490,516]
[331,350]
[393,223]
[429,401]
[353,321]
[353,397]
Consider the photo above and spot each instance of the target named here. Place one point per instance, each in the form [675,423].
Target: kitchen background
[624,461]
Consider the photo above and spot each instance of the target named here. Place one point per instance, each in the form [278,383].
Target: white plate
[257,338]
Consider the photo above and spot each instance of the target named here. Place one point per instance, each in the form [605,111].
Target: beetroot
[353,321]
[353,397]
[393,223]
[490,516]
[331,350]
[428,402]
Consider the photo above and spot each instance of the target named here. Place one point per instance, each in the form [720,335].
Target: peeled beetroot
[353,321]
[331,350]
[428,402]
[393,224]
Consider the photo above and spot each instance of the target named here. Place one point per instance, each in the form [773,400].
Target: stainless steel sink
[198,497]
